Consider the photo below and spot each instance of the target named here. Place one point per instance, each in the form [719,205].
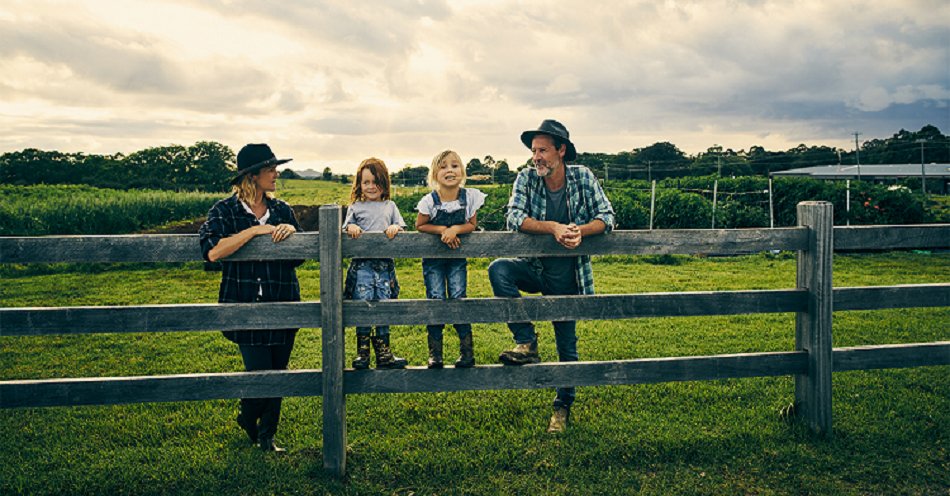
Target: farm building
[876,173]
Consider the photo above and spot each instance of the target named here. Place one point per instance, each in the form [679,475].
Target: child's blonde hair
[246,189]
[379,171]
[437,162]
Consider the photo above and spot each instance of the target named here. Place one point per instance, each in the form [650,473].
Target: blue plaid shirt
[586,201]
[252,281]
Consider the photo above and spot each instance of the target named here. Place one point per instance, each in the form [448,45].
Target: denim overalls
[447,277]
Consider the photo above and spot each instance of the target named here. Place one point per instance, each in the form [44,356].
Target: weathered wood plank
[31,321]
[511,244]
[926,236]
[813,326]
[593,307]
[149,389]
[892,356]
[900,296]
[146,248]
[547,375]
[331,315]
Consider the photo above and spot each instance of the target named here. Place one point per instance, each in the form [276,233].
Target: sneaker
[559,420]
[521,354]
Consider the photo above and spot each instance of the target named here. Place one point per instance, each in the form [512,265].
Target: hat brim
[528,136]
[273,162]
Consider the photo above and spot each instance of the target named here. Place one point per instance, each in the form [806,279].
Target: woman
[253,211]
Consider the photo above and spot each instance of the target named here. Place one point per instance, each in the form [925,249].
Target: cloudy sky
[332,82]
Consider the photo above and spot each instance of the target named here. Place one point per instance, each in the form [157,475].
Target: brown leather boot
[385,359]
[559,420]
[361,362]
[435,352]
[466,353]
[521,354]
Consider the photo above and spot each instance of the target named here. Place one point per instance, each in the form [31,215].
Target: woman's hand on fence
[353,230]
[282,232]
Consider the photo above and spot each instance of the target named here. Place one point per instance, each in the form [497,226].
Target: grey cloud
[119,62]
[375,29]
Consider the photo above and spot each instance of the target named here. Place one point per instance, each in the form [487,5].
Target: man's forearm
[593,227]
[532,226]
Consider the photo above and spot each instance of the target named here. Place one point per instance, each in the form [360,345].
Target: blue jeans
[372,285]
[446,278]
[510,276]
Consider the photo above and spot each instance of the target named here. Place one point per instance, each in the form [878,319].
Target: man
[566,202]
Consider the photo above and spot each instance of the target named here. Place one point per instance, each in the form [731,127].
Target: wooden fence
[811,363]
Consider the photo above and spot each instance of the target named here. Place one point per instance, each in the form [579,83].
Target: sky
[329,83]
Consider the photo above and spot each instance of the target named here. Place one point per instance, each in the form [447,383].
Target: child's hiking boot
[435,352]
[466,353]
[361,362]
[385,359]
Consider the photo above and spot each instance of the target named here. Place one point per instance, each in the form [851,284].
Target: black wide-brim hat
[254,157]
[551,127]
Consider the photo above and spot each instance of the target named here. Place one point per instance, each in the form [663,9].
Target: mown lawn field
[891,427]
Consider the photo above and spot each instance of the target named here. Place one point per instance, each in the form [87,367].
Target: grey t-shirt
[373,215]
[559,274]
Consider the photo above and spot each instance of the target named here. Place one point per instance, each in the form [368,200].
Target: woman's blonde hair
[246,189]
[437,162]
[378,169]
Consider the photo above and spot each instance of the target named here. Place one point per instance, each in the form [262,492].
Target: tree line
[208,165]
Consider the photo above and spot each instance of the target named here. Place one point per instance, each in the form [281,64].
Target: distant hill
[307,173]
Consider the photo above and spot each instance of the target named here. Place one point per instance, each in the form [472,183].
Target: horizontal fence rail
[196,387]
[920,237]
[184,247]
[30,321]
[145,248]
[33,321]
[812,301]
[150,389]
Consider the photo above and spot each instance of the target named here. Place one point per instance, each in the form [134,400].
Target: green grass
[891,427]
[313,192]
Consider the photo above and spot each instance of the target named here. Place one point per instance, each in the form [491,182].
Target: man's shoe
[267,444]
[521,354]
[559,420]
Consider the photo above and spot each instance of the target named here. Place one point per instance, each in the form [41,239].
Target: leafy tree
[210,166]
[327,174]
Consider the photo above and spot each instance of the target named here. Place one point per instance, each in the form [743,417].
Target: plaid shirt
[251,281]
[586,201]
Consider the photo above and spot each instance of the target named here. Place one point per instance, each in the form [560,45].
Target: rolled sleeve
[605,211]
[518,203]
[211,232]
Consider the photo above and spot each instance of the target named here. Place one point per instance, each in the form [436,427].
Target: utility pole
[923,175]
[857,153]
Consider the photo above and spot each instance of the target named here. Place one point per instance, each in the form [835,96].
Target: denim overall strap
[450,218]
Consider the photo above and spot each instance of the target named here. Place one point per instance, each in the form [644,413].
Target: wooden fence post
[813,327]
[331,305]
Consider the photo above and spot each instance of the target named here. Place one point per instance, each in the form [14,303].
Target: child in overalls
[450,210]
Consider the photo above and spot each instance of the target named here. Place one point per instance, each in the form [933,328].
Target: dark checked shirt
[251,281]
[586,201]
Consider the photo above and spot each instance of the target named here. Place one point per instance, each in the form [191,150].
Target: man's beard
[543,169]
